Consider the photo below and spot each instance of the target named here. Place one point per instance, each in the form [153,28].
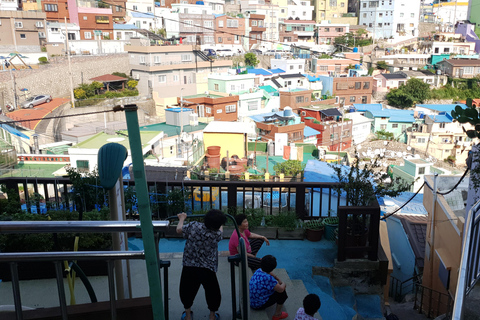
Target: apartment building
[195,23]
[144,6]
[118,10]
[289,65]
[166,72]
[272,13]
[229,31]
[269,124]
[299,10]
[22,31]
[221,108]
[329,9]
[327,32]
[348,90]
[95,23]
[255,29]
[297,30]
[295,98]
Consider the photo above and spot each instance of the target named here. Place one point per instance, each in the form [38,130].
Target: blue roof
[308,132]
[312,78]
[362,107]
[277,70]
[14,131]
[261,71]
[142,15]
[118,26]
[442,117]
[394,115]
[442,107]
[219,15]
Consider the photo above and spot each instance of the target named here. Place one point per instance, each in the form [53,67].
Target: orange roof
[108,78]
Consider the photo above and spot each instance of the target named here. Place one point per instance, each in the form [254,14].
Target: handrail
[243,266]
[462,286]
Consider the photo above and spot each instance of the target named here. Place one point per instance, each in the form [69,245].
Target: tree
[414,91]
[382,65]
[251,59]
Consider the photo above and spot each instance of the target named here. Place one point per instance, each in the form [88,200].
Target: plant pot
[284,234]
[330,230]
[213,150]
[314,234]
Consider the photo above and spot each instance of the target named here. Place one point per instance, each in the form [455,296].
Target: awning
[14,131]
[331,112]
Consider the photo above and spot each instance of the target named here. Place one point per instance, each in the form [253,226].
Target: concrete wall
[52,78]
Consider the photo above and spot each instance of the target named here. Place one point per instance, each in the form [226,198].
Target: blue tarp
[14,131]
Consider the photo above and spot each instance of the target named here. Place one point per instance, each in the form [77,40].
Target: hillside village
[269,96]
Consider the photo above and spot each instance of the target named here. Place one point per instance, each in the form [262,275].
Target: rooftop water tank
[355,49]
[287,112]
[200,3]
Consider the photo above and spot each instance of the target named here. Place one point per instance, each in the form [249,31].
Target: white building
[377,17]
[8,5]
[56,32]
[360,127]
[299,10]
[272,14]
[145,21]
[406,18]
[290,65]
[146,6]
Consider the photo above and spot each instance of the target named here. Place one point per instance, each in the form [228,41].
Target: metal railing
[432,303]
[398,289]
[23,227]
[470,262]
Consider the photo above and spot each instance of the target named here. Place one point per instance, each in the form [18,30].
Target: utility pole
[72,98]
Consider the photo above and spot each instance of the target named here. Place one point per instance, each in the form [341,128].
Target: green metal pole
[153,273]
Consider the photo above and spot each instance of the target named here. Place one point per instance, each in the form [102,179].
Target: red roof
[108,78]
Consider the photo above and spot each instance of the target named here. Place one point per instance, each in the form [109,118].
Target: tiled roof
[108,78]
[415,227]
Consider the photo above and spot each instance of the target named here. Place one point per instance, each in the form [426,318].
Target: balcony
[258,29]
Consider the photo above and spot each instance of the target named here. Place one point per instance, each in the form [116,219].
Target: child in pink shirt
[311,304]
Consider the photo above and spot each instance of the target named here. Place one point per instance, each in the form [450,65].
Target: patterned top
[201,248]
[261,288]
[301,315]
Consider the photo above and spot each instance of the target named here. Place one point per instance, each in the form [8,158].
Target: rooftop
[442,107]
[100,139]
[462,62]
[392,76]
[171,130]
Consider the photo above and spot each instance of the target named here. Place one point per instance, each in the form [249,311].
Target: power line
[403,205]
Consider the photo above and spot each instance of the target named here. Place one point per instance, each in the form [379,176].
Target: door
[201,110]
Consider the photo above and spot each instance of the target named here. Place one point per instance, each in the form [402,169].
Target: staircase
[202,55]
[338,302]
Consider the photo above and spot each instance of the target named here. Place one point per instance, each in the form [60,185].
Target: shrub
[43,60]
[289,167]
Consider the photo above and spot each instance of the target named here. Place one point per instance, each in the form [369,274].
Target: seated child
[311,304]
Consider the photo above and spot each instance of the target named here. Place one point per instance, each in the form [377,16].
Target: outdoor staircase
[338,303]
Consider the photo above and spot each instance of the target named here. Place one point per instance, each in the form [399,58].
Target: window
[149,9]
[216,86]
[411,25]
[252,105]
[186,57]
[135,8]
[220,39]
[87,35]
[412,15]
[188,23]
[41,35]
[366,85]
[358,85]
[106,35]
[394,125]
[230,108]
[339,29]
[380,15]
[323,68]
[420,140]
[162,78]
[364,15]
[175,78]
[242,86]
[342,4]
[231,23]
[142,59]
[208,110]
[118,8]
[18,24]
[421,170]
[291,67]
[364,99]
[383,126]
[82,165]
[220,24]
[162,3]
[364,5]
[49,7]
[299,99]
[85,17]
[23,36]
[232,87]
[39,24]
[442,125]
[156,59]
[208,24]
[333,3]
[327,29]
[446,50]
[352,98]
[467,70]
[401,14]
[254,23]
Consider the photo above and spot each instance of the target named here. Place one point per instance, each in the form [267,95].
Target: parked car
[225,53]
[36,100]
[210,53]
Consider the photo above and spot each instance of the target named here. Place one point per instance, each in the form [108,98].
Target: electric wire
[403,205]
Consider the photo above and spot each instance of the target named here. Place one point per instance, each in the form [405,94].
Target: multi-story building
[229,32]
[254,29]
[271,12]
[57,11]
[297,30]
[195,23]
[289,65]
[327,32]
[335,134]
[8,5]
[448,43]
[335,65]
[145,6]
[329,9]
[22,31]
[166,72]
[460,68]
[383,82]
[95,23]
[299,10]
[377,17]
[406,18]
[218,107]
[56,32]
[295,98]
[141,20]
[119,11]
[348,90]
[217,6]
[269,124]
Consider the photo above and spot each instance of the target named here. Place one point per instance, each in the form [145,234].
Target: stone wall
[53,78]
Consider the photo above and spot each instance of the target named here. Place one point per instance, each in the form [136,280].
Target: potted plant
[314,229]
[288,226]
[330,224]
[261,223]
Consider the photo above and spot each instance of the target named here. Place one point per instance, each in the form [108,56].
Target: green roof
[102,138]
[269,89]
[171,130]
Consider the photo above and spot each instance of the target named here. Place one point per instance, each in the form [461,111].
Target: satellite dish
[382,154]
[399,154]
[359,147]
[377,151]
[409,148]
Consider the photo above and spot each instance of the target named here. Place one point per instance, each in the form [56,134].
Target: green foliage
[120,74]
[325,56]
[132,84]
[468,115]
[370,71]
[63,241]
[316,224]
[43,49]
[86,191]
[384,135]
[251,59]
[43,60]
[414,91]
[350,66]
[286,219]
[79,93]
[330,220]
[363,184]
[382,65]
[289,167]
[11,205]
[353,40]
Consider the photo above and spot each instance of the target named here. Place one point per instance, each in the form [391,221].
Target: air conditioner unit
[303,113]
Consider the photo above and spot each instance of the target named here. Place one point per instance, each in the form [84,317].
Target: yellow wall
[233,142]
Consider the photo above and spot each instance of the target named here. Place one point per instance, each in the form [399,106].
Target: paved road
[30,118]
